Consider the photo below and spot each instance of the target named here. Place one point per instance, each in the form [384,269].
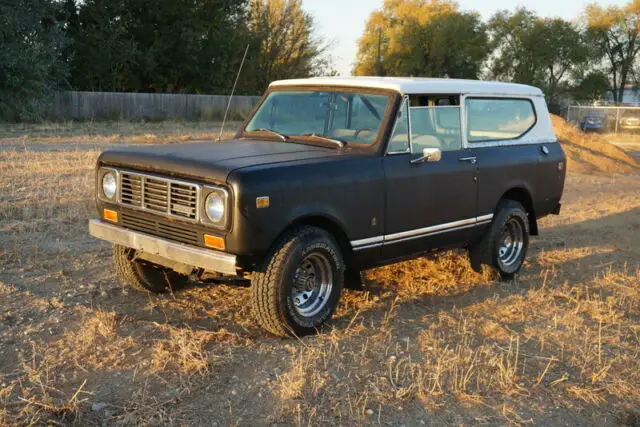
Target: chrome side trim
[484,217]
[432,233]
[208,259]
[428,230]
[403,236]
[367,242]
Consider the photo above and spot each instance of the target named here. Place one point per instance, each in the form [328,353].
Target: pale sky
[341,22]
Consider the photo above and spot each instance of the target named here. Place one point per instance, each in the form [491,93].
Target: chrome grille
[161,228]
[159,195]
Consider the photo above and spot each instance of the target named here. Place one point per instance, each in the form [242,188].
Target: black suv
[331,176]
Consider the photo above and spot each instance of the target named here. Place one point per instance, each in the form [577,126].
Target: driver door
[429,204]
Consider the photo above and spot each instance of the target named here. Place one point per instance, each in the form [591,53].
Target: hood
[211,161]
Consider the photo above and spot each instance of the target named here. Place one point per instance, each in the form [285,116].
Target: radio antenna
[224,119]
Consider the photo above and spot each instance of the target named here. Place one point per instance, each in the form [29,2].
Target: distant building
[631,96]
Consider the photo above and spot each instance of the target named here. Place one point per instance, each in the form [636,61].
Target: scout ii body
[331,176]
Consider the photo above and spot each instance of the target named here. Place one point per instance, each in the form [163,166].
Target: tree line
[583,59]
[173,46]
[195,46]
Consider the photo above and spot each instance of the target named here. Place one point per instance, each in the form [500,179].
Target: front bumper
[208,259]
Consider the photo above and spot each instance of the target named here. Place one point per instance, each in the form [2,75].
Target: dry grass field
[427,342]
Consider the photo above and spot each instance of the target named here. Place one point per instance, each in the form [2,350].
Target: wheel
[504,246]
[298,287]
[145,276]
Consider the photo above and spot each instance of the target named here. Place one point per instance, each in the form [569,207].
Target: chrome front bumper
[204,258]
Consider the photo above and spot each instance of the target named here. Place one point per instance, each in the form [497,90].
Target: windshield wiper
[340,142]
[282,136]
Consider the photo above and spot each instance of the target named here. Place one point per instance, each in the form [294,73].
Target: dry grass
[101,133]
[428,341]
[591,152]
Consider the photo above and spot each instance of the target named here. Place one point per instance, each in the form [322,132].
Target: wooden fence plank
[74,105]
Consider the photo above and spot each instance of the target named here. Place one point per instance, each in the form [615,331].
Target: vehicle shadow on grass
[212,306]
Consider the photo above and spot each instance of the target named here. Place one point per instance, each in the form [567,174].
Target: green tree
[422,38]
[283,44]
[531,50]
[31,58]
[186,45]
[158,45]
[614,30]
[103,50]
[593,87]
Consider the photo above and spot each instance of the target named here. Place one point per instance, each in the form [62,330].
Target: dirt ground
[427,342]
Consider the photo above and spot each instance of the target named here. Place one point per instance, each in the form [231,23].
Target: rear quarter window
[498,119]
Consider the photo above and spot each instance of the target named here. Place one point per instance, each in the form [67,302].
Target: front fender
[348,192]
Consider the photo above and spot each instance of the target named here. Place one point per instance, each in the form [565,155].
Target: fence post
[617,118]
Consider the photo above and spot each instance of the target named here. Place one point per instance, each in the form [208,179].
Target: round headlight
[214,206]
[109,185]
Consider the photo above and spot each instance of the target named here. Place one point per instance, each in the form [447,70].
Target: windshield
[347,116]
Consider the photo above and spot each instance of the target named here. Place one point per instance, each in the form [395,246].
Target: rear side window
[494,119]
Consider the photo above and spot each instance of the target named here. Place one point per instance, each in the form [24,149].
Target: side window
[498,119]
[399,142]
[435,123]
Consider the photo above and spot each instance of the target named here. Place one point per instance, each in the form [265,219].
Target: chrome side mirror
[428,155]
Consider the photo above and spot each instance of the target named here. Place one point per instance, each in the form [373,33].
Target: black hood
[211,161]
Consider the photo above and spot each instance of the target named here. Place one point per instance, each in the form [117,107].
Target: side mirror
[428,155]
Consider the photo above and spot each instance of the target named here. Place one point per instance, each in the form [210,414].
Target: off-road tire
[144,276]
[272,284]
[487,250]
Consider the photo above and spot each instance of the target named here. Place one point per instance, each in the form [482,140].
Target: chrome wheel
[312,285]
[511,242]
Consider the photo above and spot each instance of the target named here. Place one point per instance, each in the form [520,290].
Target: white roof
[409,85]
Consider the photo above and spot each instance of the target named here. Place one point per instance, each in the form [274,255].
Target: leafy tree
[422,38]
[593,87]
[158,45]
[614,30]
[283,44]
[186,45]
[31,62]
[103,50]
[541,52]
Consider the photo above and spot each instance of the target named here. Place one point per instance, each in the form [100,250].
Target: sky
[341,22]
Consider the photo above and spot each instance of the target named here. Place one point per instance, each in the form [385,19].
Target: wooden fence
[148,106]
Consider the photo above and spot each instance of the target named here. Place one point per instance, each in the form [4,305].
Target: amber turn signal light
[214,242]
[110,215]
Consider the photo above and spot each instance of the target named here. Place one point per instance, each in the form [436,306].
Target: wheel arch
[333,227]
[522,195]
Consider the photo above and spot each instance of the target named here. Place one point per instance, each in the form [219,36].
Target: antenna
[224,120]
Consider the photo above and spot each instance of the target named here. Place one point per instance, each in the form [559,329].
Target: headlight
[109,185]
[214,206]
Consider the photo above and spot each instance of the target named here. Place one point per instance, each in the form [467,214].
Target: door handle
[471,160]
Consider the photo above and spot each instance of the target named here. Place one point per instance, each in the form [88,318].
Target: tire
[504,246]
[145,276]
[298,287]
